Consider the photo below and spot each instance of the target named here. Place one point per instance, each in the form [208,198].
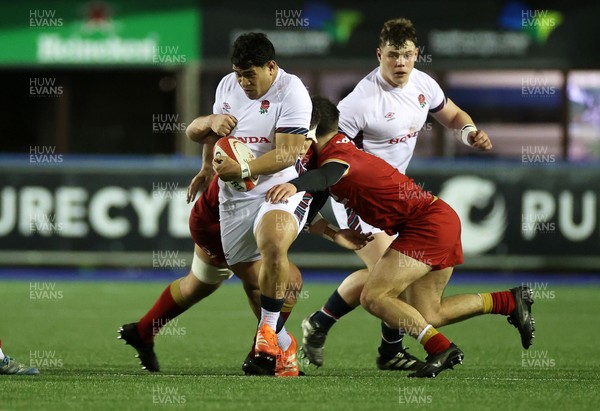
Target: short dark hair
[252,49]
[397,32]
[325,116]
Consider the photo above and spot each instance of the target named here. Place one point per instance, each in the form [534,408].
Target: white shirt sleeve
[352,119]
[436,96]
[218,104]
[296,109]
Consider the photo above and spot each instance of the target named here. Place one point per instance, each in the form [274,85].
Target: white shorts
[240,218]
[347,218]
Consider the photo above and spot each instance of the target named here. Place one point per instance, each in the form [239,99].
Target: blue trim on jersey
[302,207]
[438,108]
[353,220]
[292,130]
[299,167]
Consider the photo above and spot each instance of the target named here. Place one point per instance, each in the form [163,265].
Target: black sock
[333,310]
[271,304]
[391,340]
[270,310]
[279,324]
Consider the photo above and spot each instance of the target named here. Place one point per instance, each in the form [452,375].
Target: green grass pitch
[71,333]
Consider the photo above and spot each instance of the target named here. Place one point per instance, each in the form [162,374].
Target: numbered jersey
[285,108]
[386,120]
[380,194]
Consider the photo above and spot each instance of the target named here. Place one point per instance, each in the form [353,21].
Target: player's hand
[480,140]
[199,183]
[222,124]
[226,168]
[352,239]
[280,192]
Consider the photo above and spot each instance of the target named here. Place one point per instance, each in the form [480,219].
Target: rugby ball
[237,151]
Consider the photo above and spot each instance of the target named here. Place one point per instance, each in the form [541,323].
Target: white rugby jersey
[285,108]
[385,120]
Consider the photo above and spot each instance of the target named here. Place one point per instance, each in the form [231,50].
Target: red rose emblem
[264,106]
[421,98]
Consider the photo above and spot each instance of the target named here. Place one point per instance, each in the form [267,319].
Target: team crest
[422,100]
[264,106]
[226,106]
[390,116]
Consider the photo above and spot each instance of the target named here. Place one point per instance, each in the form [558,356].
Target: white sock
[283,339]
[268,317]
[1,355]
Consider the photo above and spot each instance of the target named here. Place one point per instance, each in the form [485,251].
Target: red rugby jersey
[380,194]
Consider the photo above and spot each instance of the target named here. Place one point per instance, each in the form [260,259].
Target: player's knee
[371,301]
[273,253]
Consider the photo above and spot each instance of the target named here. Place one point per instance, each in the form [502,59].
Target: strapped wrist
[245,169]
[464,133]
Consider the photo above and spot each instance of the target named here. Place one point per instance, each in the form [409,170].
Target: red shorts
[433,237]
[204,223]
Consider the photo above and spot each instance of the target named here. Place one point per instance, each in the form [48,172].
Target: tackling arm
[321,178]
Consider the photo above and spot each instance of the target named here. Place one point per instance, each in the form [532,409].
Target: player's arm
[347,237]
[452,116]
[201,180]
[288,148]
[213,125]
[314,180]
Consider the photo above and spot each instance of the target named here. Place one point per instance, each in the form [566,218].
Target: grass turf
[70,332]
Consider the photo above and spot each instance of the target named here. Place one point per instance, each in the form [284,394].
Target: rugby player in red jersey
[406,285]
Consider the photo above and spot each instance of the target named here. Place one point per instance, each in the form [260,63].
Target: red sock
[436,344]
[504,302]
[163,311]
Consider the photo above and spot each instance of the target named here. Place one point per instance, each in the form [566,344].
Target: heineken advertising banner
[108,32]
[96,212]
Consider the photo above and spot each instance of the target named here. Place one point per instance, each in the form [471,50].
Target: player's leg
[343,300]
[207,272]
[426,295]
[391,354]
[276,228]
[257,365]
[181,294]
[10,366]
[275,233]
[392,275]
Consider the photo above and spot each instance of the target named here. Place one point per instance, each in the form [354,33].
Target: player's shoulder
[366,87]
[229,82]
[289,82]
[368,84]
[421,78]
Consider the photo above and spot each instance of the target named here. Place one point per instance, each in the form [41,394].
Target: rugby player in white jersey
[383,115]
[270,111]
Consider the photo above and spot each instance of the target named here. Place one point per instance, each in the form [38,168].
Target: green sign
[94,32]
